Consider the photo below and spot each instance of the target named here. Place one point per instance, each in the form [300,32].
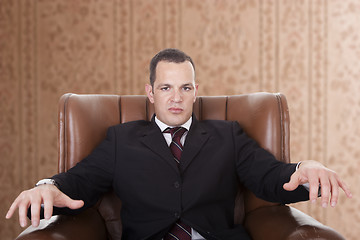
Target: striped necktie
[175,145]
[180,231]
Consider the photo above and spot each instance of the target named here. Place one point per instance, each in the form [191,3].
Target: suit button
[177,215]
[176,184]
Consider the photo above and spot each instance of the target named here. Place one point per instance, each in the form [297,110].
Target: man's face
[174,92]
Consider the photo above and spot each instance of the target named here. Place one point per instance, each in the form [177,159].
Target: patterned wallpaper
[308,50]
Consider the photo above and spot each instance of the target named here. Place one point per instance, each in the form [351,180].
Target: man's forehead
[174,83]
[160,84]
[167,64]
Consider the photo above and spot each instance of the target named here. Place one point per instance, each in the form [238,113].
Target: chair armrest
[87,225]
[286,223]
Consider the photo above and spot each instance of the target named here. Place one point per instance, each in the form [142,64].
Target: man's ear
[149,92]
[196,91]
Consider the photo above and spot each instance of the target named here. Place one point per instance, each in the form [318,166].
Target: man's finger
[344,187]
[35,212]
[48,208]
[293,183]
[65,201]
[314,187]
[334,191]
[23,208]
[11,210]
[325,190]
[75,204]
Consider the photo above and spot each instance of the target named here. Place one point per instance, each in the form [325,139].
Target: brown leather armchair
[84,119]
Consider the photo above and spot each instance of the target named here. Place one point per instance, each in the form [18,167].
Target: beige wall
[307,49]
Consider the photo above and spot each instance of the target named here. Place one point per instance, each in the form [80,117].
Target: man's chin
[176,121]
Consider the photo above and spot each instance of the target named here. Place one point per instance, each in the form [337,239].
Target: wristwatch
[47,181]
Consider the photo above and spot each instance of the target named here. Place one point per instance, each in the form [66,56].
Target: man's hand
[317,175]
[46,194]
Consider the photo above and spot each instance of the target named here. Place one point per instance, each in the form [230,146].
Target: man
[190,186]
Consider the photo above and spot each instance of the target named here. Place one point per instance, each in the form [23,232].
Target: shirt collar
[163,126]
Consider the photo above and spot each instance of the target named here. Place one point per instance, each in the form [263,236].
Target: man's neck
[163,125]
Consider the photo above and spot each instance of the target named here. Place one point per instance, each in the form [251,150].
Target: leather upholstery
[84,119]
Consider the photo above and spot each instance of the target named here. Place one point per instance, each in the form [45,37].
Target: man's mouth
[175,110]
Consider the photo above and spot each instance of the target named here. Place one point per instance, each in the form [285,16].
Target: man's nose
[177,96]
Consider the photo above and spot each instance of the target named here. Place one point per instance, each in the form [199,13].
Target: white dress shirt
[194,234]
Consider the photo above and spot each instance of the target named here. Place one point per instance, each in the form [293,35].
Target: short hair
[168,55]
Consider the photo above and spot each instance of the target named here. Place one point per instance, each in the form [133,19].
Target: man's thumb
[292,184]
[75,204]
[66,201]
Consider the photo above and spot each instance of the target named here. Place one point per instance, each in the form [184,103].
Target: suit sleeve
[93,176]
[261,173]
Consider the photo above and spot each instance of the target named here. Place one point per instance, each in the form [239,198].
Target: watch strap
[47,181]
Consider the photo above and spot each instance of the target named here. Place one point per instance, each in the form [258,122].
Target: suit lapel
[196,138]
[194,142]
[154,140]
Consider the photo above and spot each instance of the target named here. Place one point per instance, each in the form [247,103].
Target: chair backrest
[84,119]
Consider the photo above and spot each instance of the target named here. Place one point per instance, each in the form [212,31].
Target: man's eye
[187,88]
[164,88]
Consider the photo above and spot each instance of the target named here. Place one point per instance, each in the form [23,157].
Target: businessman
[177,177]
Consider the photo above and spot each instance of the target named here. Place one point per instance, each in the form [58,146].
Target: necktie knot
[175,146]
[176,132]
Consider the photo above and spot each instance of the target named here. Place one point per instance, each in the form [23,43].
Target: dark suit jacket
[136,162]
